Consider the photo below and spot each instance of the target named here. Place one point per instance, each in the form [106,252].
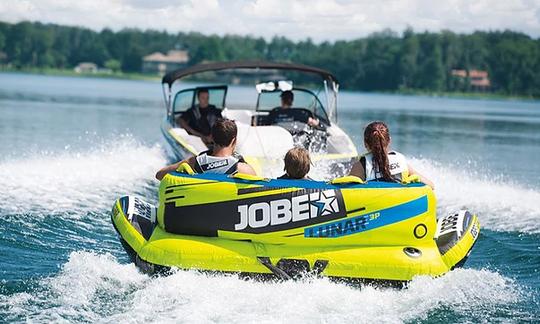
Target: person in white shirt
[380,163]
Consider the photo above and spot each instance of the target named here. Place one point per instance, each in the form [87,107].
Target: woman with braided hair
[379,163]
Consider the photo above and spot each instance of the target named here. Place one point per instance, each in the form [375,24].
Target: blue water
[70,146]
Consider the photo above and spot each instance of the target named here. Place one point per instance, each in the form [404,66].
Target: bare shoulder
[246,168]
[190,160]
[172,167]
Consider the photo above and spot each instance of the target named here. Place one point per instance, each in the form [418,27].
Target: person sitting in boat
[222,159]
[284,113]
[380,163]
[198,120]
[297,164]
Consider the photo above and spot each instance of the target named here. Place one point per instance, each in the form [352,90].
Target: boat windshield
[303,98]
[234,85]
[187,98]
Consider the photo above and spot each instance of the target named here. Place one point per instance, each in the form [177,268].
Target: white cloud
[318,19]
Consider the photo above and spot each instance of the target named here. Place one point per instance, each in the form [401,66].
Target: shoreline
[71,73]
[146,77]
[462,95]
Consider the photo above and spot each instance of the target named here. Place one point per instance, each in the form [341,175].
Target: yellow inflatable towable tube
[283,228]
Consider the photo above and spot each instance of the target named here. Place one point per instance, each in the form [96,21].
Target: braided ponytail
[377,139]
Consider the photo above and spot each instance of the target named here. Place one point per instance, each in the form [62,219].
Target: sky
[320,20]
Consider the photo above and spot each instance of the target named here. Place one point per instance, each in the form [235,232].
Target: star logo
[326,204]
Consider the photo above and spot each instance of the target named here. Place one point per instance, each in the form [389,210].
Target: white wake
[78,182]
[500,205]
[93,287]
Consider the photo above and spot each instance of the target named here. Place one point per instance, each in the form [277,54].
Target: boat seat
[263,141]
[240,116]
[194,141]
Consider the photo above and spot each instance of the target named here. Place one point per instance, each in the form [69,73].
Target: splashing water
[501,206]
[78,182]
[93,287]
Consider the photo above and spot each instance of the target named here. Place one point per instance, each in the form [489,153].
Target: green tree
[379,65]
[408,58]
[517,70]
[381,61]
[19,44]
[431,74]
[451,49]
[113,65]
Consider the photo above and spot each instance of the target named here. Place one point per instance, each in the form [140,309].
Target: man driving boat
[284,113]
[199,119]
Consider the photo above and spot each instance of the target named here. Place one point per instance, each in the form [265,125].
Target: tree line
[383,61]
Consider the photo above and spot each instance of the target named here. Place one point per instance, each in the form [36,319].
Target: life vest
[205,163]
[212,114]
[397,162]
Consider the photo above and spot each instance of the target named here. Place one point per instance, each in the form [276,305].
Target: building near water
[159,63]
[86,67]
[478,79]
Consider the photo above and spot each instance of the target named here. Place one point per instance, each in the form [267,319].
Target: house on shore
[159,63]
[90,68]
[86,67]
[478,79]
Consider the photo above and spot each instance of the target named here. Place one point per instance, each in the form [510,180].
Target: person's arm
[422,178]
[219,114]
[185,125]
[272,115]
[358,171]
[246,169]
[170,168]
[313,122]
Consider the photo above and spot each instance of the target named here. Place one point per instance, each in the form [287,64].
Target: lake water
[70,146]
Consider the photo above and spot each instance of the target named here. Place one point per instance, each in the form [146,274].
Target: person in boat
[198,120]
[283,113]
[297,164]
[221,159]
[380,163]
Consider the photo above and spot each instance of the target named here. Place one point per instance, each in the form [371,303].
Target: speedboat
[344,229]
[253,89]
